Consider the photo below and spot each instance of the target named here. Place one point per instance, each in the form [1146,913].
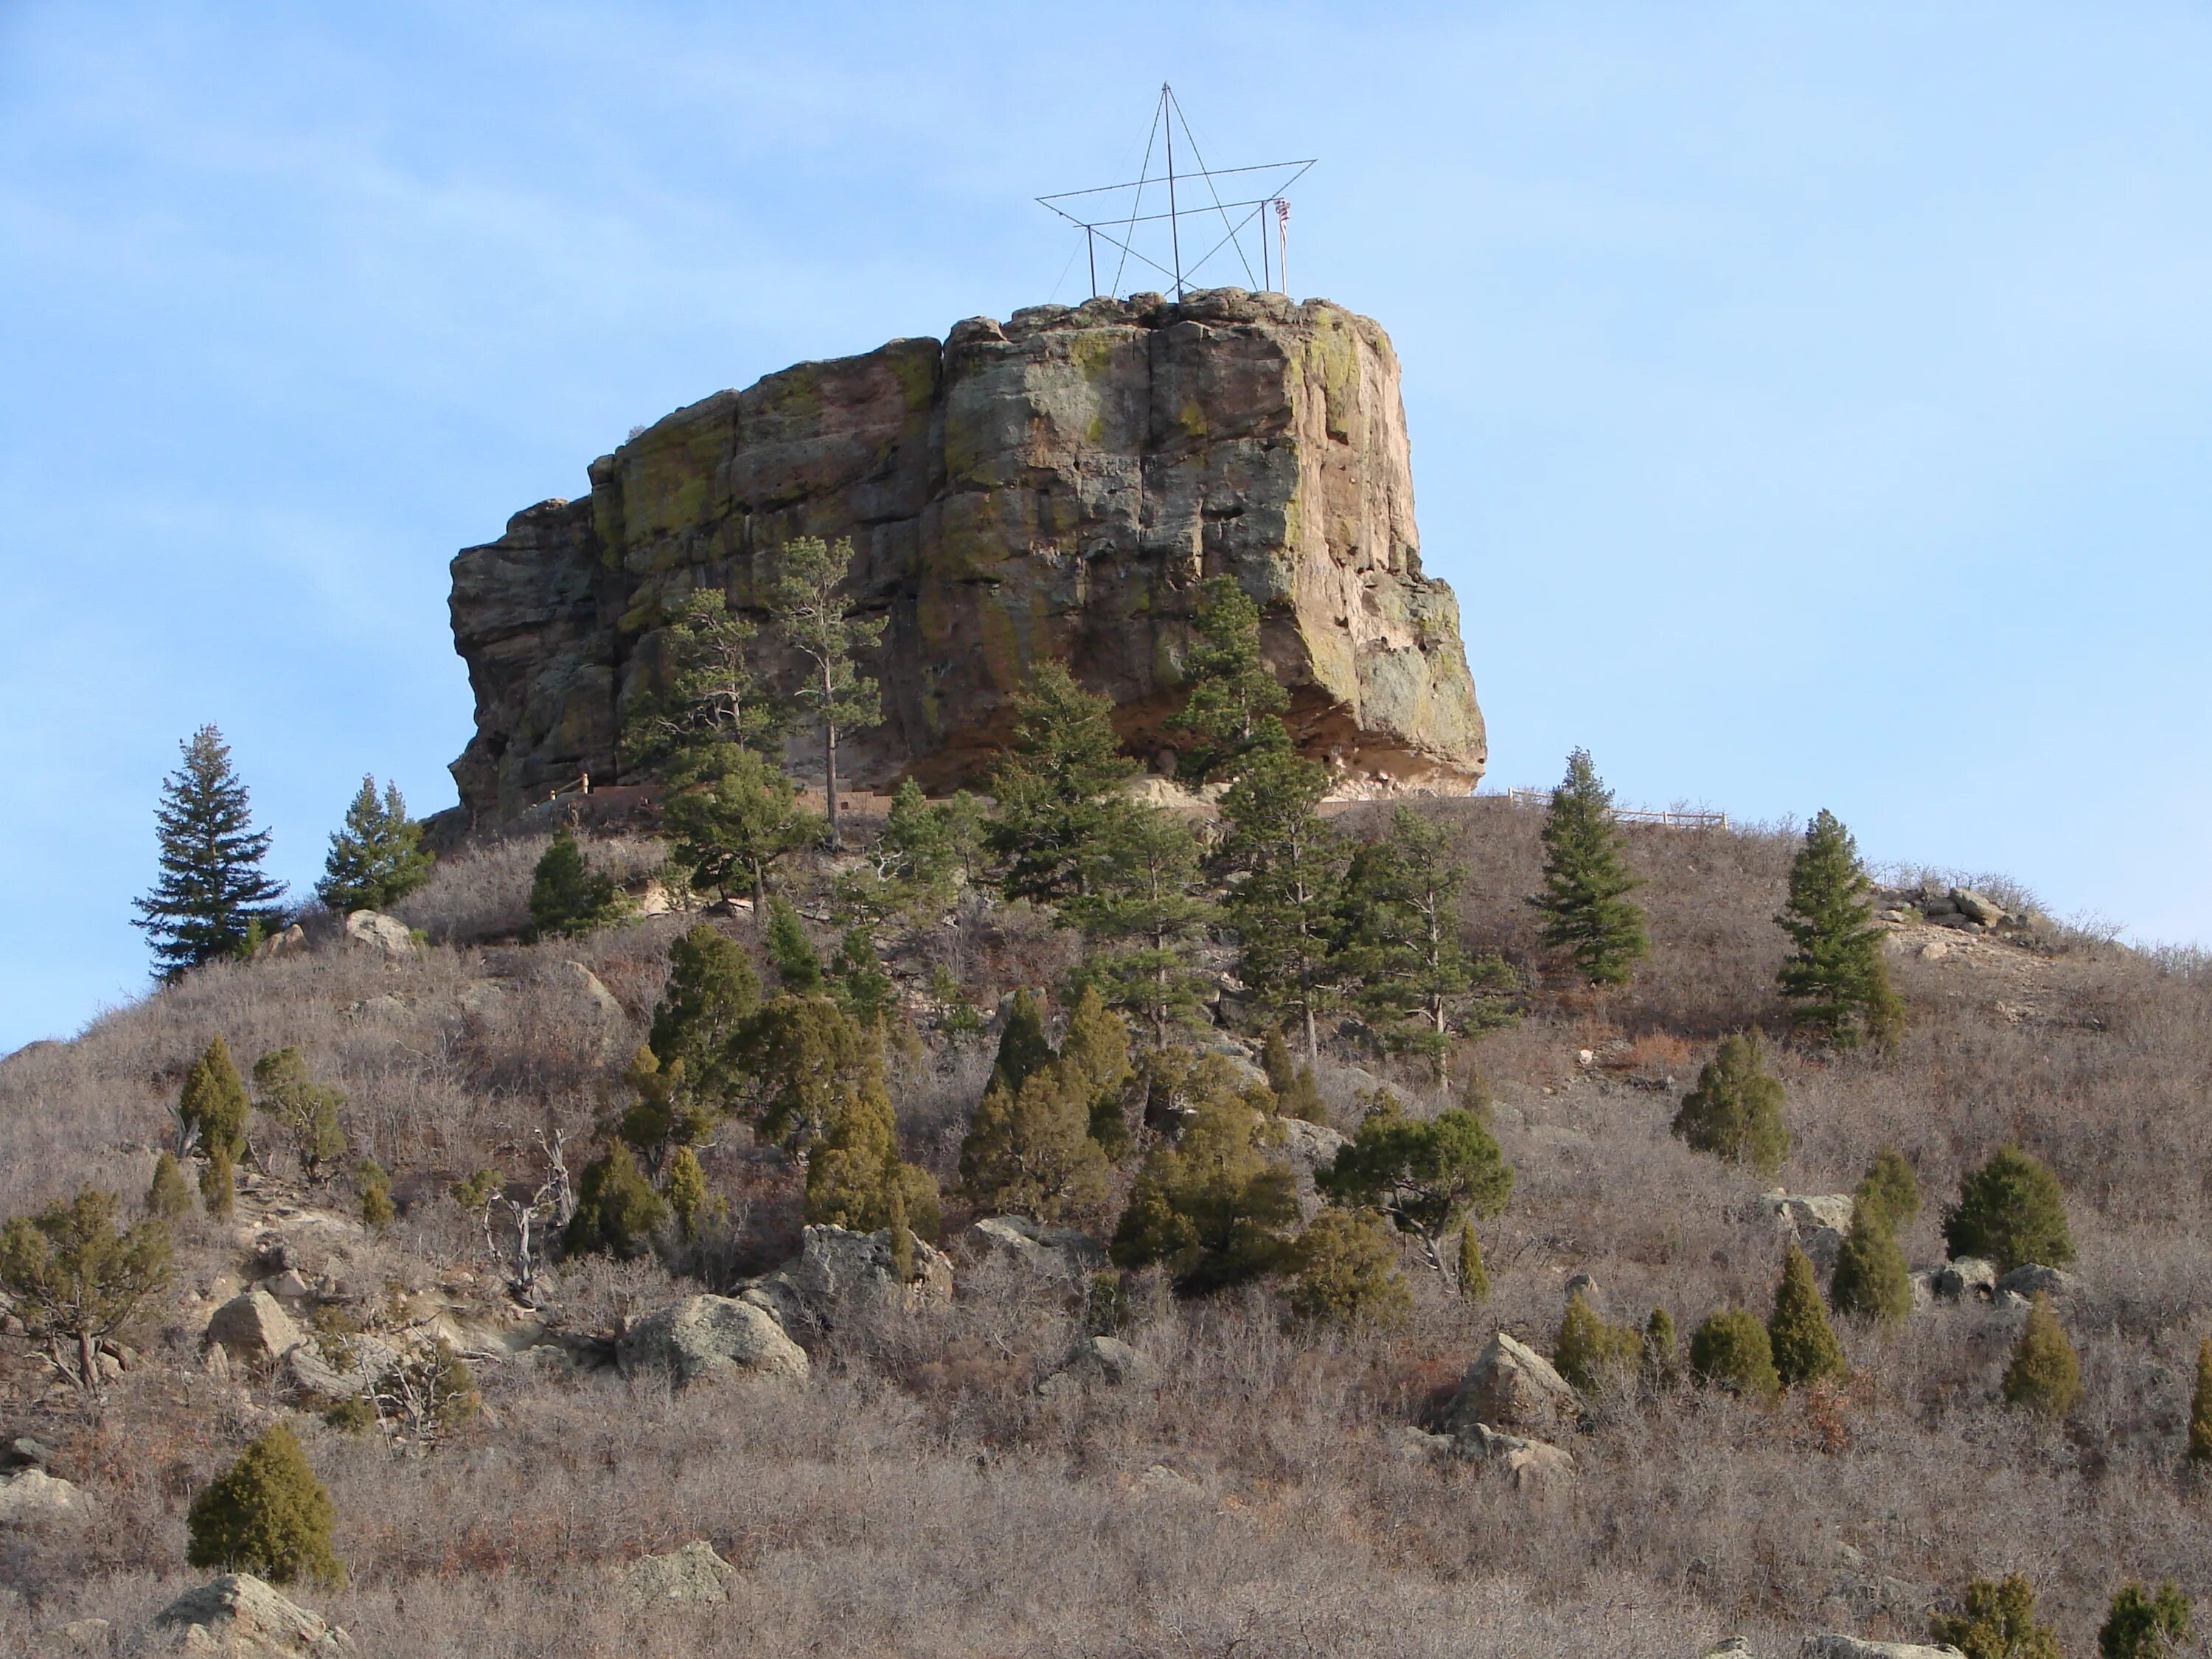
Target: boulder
[254,1329]
[237,1614]
[1307,1146]
[24,1452]
[1057,1253]
[983,479]
[1533,1466]
[372,930]
[78,1635]
[1806,1213]
[2032,1280]
[1512,1386]
[834,1266]
[1097,1359]
[291,942]
[693,1576]
[588,986]
[1850,1647]
[710,1335]
[34,1495]
[1730,1647]
[1976,908]
[1967,1275]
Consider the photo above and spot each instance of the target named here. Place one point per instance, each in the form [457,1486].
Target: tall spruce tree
[1837,978]
[1051,785]
[211,889]
[1290,867]
[826,629]
[377,856]
[1588,912]
[1233,692]
[1143,910]
[1418,984]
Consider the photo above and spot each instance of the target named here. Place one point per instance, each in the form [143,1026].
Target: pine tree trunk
[829,774]
[760,901]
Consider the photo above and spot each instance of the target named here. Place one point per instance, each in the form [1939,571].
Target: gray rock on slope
[1512,1386]
[1831,1646]
[834,1265]
[372,930]
[238,1615]
[1054,486]
[1060,1253]
[693,1576]
[254,1329]
[32,1494]
[705,1336]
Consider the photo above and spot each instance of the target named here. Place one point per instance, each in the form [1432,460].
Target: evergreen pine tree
[712,991]
[798,967]
[211,889]
[1474,1276]
[1735,1111]
[803,1057]
[1030,1151]
[1232,690]
[1838,978]
[1732,1351]
[1344,1272]
[376,857]
[711,693]
[1998,1622]
[1890,1187]
[2200,1406]
[266,1514]
[566,898]
[376,1206]
[1094,1059]
[1276,1064]
[73,1278]
[1591,1353]
[666,1115]
[855,1177]
[1142,911]
[1285,907]
[812,619]
[211,1112]
[2011,1211]
[617,1209]
[687,1191]
[1211,1207]
[858,981]
[2044,1375]
[1425,1175]
[731,816]
[1803,1343]
[1051,785]
[1870,1280]
[1420,986]
[168,1197]
[1587,880]
[2141,1626]
[218,1185]
[306,1111]
[1023,1048]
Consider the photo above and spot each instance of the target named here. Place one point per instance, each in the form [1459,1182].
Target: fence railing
[1674,818]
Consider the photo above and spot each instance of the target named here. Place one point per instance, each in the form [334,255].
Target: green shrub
[73,1278]
[687,1191]
[617,1209]
[266,1514]
[1210,1207]
[1593,1354]
[376,1206]
[565,897]
[306,1111]
[2044,1375]
[1426,1175]
[1094,1062]
[1662,1356]
[1732,1351]
[1889,1187]
[1802,1342]
[1344,1269]
[1871,1281]
[218,1185]
[1735,1111]
[1474,1276]
[2011,1211]
[2142,1625]
[856,1179]
[712,991]
[798,966]
[214,1105]
[1998,1622]
[167,1196]
[1023,1048]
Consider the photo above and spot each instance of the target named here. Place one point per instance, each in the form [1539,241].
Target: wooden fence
[1674,817]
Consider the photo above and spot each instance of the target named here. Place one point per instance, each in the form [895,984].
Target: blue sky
[1810,404]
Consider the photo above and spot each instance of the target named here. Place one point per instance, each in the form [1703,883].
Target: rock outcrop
[239,1614]
[711,1336]
[1056,486]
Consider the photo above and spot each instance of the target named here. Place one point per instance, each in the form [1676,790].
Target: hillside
[1251,1486]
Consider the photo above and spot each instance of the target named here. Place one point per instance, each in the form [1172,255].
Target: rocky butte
[1057,485]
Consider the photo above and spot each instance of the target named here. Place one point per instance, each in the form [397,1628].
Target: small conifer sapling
[1803,1343]
[2045,1376]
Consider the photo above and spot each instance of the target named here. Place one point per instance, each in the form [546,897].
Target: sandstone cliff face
[1055,486]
